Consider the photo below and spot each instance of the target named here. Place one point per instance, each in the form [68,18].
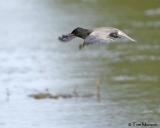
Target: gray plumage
[103,35]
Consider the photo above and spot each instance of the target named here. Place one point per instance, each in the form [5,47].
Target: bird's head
[81,32]
[115,35]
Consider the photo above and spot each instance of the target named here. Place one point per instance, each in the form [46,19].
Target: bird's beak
[70,34]
[67,37]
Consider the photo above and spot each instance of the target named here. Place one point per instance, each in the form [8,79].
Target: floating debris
[75,94]
[47,95]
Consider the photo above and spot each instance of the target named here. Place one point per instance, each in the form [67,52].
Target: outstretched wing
[91,39]
[99,36]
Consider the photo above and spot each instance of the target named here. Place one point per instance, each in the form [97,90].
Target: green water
[33,60]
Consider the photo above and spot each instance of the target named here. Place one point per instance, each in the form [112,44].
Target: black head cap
[81,32]
[77,31]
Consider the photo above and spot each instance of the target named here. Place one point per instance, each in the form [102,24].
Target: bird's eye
[114,35]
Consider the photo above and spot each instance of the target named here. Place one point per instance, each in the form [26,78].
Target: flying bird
[102,35]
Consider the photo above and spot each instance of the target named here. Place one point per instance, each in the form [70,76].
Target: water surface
[33,60]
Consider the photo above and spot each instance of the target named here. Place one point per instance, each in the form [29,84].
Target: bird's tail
[66,38]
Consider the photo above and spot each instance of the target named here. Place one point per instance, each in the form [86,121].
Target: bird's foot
[81,46]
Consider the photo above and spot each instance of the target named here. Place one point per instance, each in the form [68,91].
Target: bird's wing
[99,36]
[104,33]
[91,39]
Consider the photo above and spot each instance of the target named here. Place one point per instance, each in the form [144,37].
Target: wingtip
[134,41]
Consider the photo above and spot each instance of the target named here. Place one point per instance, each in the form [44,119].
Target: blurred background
[33,60]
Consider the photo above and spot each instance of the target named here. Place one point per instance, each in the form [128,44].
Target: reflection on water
[33,60]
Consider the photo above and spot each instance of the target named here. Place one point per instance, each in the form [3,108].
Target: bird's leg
[81,46]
